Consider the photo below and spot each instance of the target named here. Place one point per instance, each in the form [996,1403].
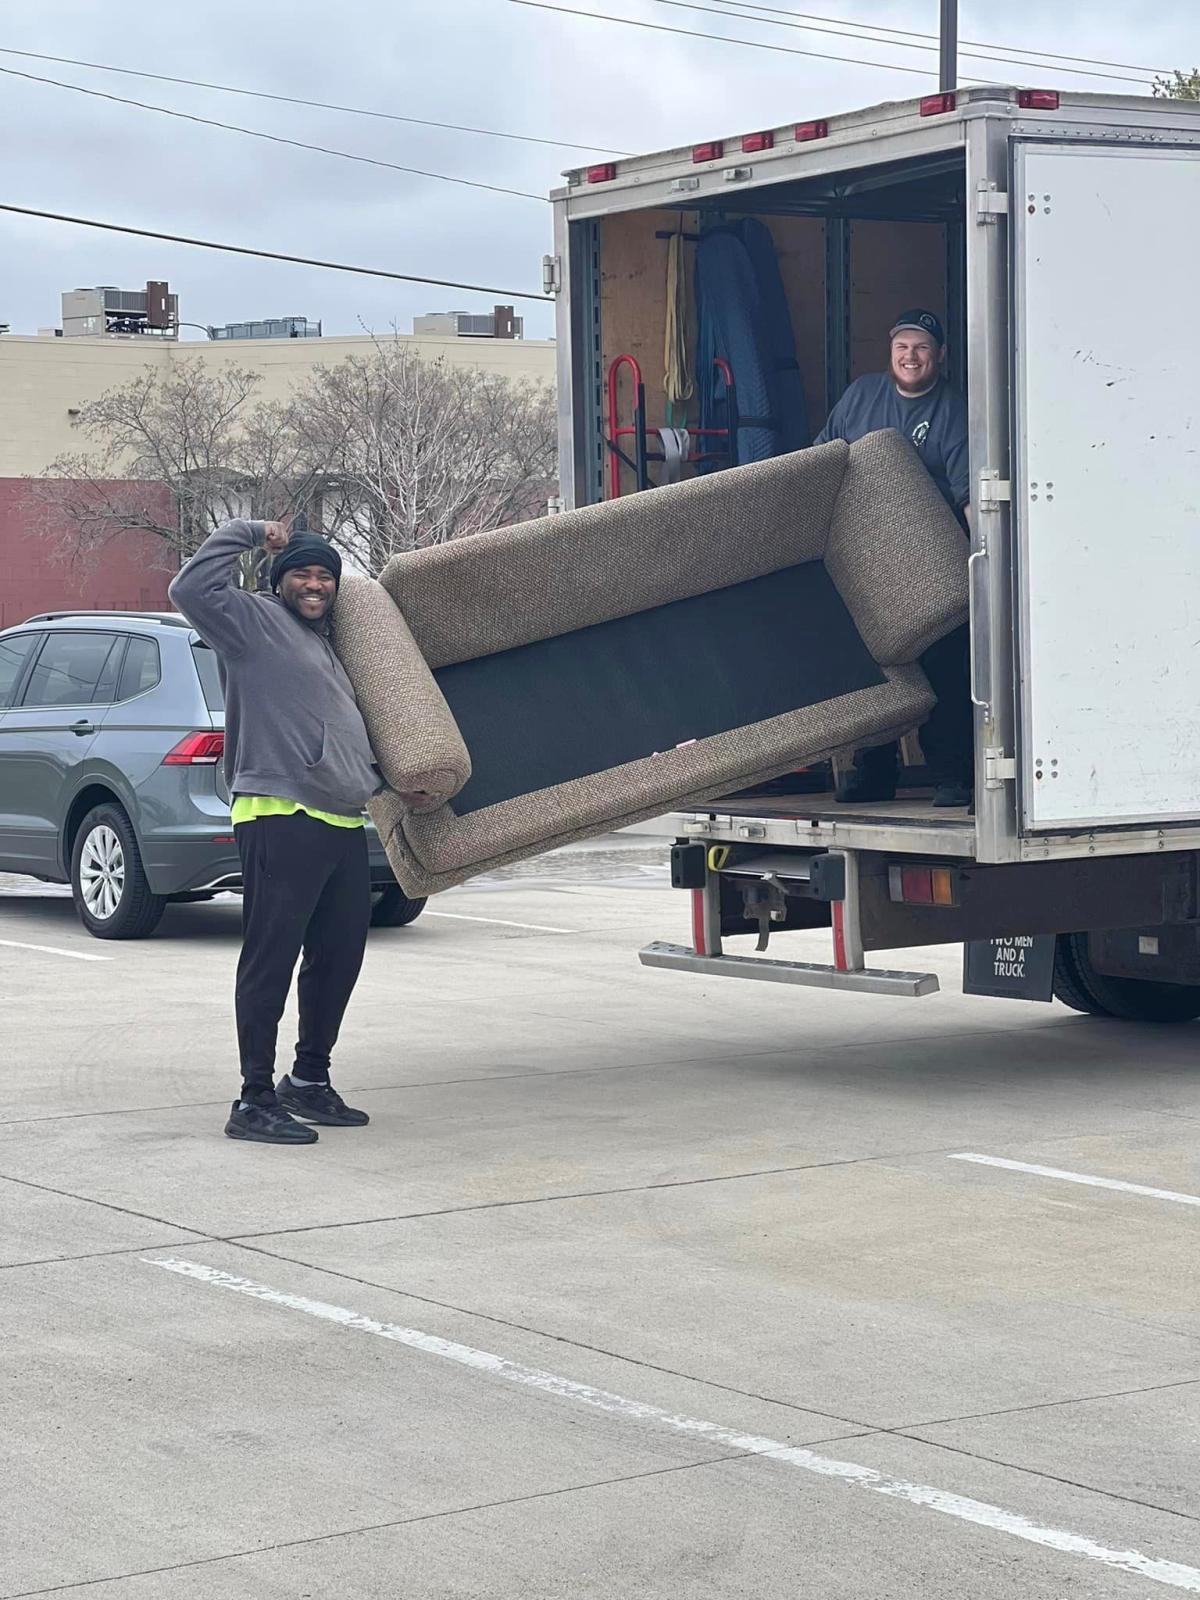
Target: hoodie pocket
[343,766]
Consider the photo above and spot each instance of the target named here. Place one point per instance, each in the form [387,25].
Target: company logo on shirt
[920,433]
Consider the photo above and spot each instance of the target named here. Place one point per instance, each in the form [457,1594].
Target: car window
[142,669]
[69,668]
[210,678]
[14,653]
[105,691]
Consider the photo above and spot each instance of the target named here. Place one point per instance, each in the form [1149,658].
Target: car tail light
[605,173]
[807,131]
[196,750]
[1038,99]
[753,142]
[712,151]
[936,105]
[922,886]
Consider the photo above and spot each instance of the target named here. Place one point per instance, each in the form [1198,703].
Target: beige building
[44,381]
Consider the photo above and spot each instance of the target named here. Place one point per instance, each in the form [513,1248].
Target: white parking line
[978,1512]
[1080,1177]
[52,950]
[499,922]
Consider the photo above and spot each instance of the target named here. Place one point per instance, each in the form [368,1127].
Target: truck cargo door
[1106,496]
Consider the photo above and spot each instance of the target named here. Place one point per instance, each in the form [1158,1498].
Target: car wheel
[394,909]
[112,893]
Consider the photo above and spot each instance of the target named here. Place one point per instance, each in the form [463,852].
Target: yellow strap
[678,380]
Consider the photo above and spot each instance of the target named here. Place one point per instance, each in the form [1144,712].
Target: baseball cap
[924,321]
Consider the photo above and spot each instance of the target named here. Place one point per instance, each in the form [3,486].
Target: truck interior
[853,249]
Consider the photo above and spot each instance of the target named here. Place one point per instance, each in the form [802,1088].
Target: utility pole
[948,51]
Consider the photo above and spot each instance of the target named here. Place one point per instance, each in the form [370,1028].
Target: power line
[269,255]
[314,105]
[718,38]
[900,44]
[912,33]
[273,138]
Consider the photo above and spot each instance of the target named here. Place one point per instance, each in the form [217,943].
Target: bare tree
[385,451]
[419,452]
[202,435]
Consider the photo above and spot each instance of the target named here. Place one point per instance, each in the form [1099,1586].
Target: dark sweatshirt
[292,725]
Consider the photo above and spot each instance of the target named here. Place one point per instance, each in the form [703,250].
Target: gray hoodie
[292,725]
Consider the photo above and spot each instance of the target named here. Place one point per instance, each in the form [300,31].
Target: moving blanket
[551,681]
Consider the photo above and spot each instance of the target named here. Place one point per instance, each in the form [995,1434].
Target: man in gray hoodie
[299,766]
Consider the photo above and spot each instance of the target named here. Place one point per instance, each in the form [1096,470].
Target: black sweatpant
[306,886]
[948,737]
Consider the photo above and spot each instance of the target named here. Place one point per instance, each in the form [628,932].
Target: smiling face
[309,592]
[916,361]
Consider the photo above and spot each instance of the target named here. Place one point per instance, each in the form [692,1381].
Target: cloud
[483,62]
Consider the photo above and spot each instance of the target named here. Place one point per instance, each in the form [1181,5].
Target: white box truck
[1060,234]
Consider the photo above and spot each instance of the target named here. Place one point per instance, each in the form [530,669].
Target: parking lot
[637,1284]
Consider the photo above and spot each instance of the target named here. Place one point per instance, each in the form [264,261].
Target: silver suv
[111,737]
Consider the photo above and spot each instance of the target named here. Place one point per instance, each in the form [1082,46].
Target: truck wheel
[394,909]
[1078,985]
[112,893]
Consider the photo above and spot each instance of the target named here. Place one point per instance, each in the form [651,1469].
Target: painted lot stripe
[499,922]
[1079,1177]
[52,950]
[978,1512]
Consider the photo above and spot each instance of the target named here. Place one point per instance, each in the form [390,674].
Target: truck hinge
[990,203]
[998,769]
[994,491]
[551,274]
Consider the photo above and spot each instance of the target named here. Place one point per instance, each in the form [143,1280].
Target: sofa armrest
[896,551]
[413,733]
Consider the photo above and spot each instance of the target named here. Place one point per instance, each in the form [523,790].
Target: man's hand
[276,535]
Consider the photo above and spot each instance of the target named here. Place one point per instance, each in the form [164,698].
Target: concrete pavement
[638,1285]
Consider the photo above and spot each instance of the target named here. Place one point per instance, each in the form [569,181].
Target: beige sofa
[552,681]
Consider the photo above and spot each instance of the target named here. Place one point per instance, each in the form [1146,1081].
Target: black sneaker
[266,1122]
[857,789]
[319,1102]
[953,794]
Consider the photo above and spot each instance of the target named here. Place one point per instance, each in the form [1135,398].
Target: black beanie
[305,550]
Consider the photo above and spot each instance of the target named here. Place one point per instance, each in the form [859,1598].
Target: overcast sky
[489,63]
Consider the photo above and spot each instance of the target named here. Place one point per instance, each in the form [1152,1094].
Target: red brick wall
[131,572]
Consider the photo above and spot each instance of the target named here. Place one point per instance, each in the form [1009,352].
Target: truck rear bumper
[807,974]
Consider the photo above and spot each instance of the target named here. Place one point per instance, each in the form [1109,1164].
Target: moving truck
[1059,234]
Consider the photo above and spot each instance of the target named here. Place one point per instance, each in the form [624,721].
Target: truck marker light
[1038,99]
[936,105]
[922,886]
[807,131]
[753,142]
[602,174]
[713,151]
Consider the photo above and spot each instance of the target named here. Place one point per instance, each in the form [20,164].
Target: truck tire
[112,893]
[394,909]
[1078,985]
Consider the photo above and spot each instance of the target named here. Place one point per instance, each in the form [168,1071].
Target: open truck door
[1106,347]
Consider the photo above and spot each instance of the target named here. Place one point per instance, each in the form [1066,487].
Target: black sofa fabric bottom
[615,692]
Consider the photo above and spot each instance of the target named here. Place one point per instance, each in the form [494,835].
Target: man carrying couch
[299,766]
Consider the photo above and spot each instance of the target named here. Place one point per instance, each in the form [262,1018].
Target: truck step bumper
[808,974]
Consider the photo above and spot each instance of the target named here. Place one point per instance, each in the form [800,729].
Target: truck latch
[998,769]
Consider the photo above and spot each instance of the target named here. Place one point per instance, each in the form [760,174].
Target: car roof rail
[168,619]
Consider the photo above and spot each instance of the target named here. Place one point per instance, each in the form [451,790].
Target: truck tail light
[807,131]
[196,750]
[604,173]
[922,886]
[712,151]
[753,142]
[1038,99]
[936,105]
